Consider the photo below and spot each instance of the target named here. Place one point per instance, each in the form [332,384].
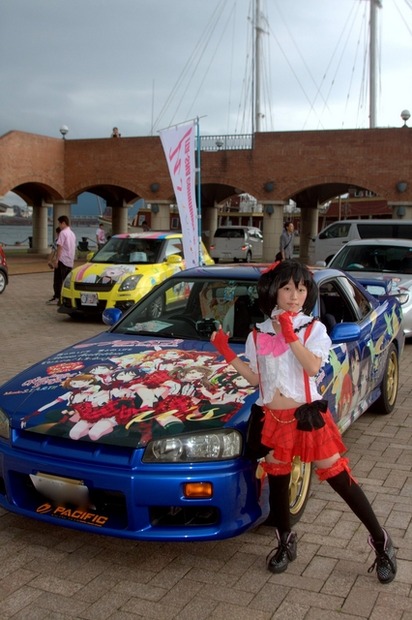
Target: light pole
[64,130]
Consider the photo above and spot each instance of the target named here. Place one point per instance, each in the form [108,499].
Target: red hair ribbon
[272,266]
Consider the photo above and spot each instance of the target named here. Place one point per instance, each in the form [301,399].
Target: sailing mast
[257,112]
[374,5]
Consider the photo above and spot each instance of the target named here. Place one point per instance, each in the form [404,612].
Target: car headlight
[213,445]
[67,280]
[4,425]
[130,283]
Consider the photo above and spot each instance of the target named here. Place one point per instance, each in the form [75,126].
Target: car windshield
[131,251]
[374,257]
[194,308]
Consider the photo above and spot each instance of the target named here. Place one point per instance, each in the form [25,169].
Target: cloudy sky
[143,65]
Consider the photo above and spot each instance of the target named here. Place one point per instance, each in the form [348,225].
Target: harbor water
[17,236]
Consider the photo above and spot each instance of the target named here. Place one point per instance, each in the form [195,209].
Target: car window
[173,246]
[374,257]
[186,308]
[128,250]
[341,301]
[340,229]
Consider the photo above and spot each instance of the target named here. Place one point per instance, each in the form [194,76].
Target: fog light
[198,490]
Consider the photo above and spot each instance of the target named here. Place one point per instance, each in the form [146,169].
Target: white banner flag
[179,147]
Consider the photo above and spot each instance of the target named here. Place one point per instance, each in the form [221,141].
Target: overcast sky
[143,65]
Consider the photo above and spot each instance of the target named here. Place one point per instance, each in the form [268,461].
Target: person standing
[65,253]
[286,242]
[100,236]
[285,354]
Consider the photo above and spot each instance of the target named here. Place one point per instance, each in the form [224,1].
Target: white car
[237,243]
[389,260]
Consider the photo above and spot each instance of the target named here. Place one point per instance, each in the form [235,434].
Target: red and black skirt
[280,434]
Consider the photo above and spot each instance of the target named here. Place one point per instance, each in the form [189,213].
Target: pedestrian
[100,236]
[285,354]
[286,242]
[116,133]
[145,226]
[64,259]
[51,262]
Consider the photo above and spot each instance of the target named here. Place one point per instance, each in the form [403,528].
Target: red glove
[220,342]
[285,320]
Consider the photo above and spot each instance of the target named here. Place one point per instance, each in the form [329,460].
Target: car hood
[110,273]
[122,390]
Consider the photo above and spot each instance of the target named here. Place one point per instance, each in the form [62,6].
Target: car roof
[378,241]
[152,234]
[247,272]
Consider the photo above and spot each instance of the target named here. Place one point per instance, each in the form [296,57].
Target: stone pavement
[54,573]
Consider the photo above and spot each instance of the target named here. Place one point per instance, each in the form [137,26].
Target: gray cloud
[93,64]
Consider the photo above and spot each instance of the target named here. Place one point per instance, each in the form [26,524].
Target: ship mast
[374,5]
[257,65]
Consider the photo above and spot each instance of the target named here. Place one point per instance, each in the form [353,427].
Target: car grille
[91,309]
[94,287]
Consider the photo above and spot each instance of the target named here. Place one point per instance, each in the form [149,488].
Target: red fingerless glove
[285,320]
[220,342]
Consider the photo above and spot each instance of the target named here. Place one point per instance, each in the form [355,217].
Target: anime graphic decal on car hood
[126,392]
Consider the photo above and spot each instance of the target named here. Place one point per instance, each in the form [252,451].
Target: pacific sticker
[61,512]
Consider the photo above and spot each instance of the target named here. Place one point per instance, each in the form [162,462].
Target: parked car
[4,274]
[332,238]
[140,431]
[122,272]
[389,260]
[237,243]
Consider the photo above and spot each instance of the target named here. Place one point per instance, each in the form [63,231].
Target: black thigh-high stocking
[279,503]
[352,494]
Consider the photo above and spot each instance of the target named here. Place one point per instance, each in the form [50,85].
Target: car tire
[3,281]
[299,488]
[216,260]
[389,384]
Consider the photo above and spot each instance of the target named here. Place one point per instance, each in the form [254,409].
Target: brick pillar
[60,207]
[308,229]
[272,229]
[209,224]
[40,241]
[120,219]
[160,215]
[401,210]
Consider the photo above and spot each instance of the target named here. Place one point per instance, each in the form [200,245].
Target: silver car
[389,260]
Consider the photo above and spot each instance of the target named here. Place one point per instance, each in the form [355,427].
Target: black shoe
[385,560]
[285,552]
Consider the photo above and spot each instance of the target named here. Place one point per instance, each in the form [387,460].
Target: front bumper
[129,499]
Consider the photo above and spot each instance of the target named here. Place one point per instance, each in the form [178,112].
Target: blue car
[139,432]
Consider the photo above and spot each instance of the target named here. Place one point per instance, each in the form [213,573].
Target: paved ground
[54,573]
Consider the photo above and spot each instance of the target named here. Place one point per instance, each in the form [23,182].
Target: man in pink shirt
[65,254]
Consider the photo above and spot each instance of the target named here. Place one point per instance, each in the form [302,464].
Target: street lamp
[405,116]
[64,130]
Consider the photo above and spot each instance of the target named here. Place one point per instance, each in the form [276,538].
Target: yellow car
[123,271]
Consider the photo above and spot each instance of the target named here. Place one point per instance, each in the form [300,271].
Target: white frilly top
[279,368]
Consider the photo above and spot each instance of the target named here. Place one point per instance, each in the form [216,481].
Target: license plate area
[61,490]
[89,299]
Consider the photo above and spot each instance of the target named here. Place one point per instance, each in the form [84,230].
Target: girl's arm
[220,340]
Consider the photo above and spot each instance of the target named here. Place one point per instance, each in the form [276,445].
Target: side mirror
[345,332]
[174,259]
[111,316]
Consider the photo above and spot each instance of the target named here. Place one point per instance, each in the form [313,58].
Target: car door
[347,380]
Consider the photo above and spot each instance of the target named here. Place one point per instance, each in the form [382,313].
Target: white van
[235,243]
[325,245]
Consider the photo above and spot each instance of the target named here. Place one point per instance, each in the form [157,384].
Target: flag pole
[199,191]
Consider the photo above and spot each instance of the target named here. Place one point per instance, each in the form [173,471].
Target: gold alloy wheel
[299,486]
[392,377]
